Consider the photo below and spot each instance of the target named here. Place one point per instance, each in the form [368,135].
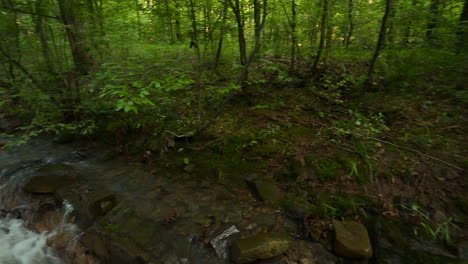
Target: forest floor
[339,155]
[321,152]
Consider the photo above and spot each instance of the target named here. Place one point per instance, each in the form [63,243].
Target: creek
[81,203]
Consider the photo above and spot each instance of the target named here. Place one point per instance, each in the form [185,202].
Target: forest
[334,112]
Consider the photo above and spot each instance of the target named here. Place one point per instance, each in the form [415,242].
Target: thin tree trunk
[241,38]
[221,36]
[461,47]
[293,36]
[350,29]
[177,21]
[137,9]
[391,25]
[322,36]
[462,32]
[193,19]
[244,60]
[43,37]
[292,24]
[433,19]
[169,21]
[380,41]
[328,44]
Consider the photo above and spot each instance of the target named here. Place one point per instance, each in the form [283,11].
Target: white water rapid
[19,245]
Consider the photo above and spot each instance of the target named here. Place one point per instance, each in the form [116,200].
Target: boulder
[352,240]
[51,177]
[260,246]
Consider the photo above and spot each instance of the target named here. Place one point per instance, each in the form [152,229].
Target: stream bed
[81,203]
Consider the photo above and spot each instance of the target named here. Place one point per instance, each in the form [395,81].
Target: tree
[70,16]
[323,29]
[260,14]
[380,40]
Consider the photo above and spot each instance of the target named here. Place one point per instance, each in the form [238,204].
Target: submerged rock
[51,177]
[260,246]
[102,206]
[352,240]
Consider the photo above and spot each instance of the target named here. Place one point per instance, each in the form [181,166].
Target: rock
[102,206]
[313,253]
[352,240]
[260,246]
[265,190]
[51,177]
[298,209]
[221,242]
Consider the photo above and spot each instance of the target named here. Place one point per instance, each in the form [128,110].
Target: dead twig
[209,143]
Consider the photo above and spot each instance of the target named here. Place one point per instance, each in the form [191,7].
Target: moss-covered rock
[260,246]
[352,240]
[265,190]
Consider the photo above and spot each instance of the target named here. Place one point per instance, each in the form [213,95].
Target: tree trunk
[293,36]
[43,37]
[221,36]
[380,41]
[323,28]
[137,9]
[236,8]
[244,60]
[169,21]
[391,25]
[177,21]
[69,13]
[349,31]
[462,32]
[193,19]
[433,19]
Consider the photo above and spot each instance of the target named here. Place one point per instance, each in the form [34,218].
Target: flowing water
[18,245]
[159,218]
[21,241]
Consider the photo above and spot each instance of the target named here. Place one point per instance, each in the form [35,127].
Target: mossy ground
[343,157]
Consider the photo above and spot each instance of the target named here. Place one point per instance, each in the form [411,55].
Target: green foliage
[323,204]
[430,228]
[360,125]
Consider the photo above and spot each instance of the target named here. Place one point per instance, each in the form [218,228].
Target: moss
[299,207]
[300,131]
[325,204]
[326,168]
[112,228]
